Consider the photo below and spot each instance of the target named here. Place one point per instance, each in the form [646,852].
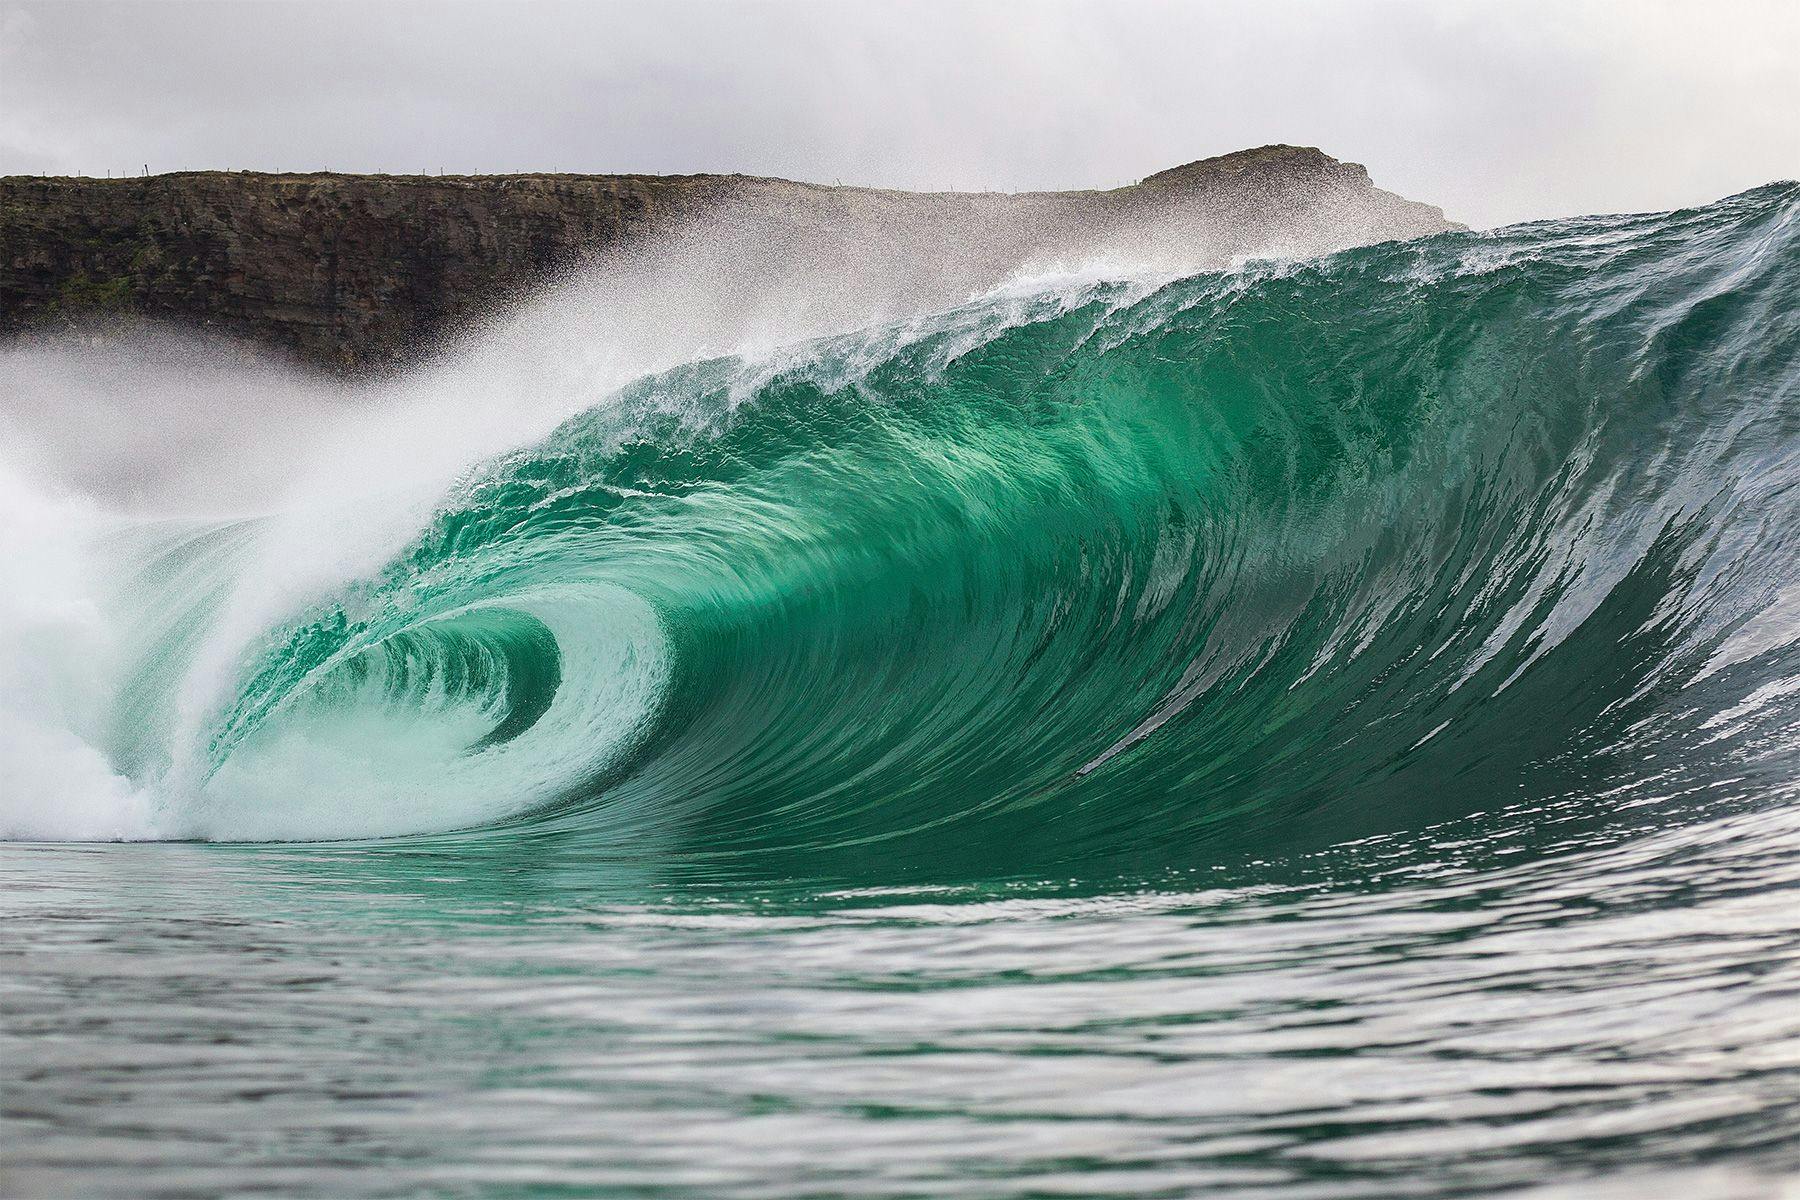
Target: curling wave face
[1093,577]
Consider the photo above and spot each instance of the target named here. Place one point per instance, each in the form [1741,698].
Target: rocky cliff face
[355,273]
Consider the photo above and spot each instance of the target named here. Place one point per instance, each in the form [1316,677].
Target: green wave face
[1098,579]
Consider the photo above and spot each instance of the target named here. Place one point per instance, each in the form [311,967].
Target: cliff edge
[357,273]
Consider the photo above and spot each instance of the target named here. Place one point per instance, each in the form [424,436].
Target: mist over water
[762,721]
[177,498]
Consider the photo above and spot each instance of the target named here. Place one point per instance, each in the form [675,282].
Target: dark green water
[1318,730]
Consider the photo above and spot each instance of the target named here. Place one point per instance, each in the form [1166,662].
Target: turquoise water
[1322,729]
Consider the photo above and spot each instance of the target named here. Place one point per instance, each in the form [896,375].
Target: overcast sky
[1499,111]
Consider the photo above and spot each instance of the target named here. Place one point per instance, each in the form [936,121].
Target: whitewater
[1321,724]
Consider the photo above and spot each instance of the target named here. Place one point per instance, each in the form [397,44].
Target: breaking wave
[1079,574]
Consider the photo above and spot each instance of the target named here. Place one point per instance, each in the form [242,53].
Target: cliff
[355,273]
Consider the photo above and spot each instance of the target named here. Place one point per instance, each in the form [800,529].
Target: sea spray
[1079,574]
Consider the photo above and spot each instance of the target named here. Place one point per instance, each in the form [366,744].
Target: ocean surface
[1326,728]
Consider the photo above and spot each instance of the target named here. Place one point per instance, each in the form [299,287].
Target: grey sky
[1498,111]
